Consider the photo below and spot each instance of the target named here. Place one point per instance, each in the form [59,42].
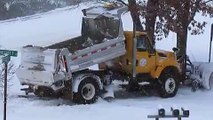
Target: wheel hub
[170,85]
[88,91]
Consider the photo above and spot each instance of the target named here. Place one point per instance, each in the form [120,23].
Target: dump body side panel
[97,54]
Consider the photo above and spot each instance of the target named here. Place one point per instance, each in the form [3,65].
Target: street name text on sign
[9,52]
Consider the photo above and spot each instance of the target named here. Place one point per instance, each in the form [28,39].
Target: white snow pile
[61,24]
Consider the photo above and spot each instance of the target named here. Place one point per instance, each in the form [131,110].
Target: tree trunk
[134,11]
[151,14]
[182,34]
[182,42]
[182,45]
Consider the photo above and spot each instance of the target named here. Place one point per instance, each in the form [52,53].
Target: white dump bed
[44,67]
[37,66]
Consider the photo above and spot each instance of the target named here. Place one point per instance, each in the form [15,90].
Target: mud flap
[109,93]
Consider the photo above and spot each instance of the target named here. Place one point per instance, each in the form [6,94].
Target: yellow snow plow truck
[62,69]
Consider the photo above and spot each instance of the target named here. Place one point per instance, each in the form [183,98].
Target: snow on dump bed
[66,23]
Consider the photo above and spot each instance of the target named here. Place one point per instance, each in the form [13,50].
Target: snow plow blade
[203,73]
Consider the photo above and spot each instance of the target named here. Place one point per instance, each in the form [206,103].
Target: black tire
[44,92]
[88,92]
[133,86]
[168,83]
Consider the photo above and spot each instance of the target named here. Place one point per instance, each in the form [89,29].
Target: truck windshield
[100,28]
[143,44]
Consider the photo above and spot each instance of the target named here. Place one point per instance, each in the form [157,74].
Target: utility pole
[210,46]
[134,52]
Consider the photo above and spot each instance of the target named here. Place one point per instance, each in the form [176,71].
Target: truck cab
[157,67]
[148,59]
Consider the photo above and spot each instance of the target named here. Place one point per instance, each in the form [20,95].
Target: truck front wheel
[168,83]
[87,92]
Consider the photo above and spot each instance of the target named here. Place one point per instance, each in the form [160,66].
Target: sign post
[5,59]
[5,87]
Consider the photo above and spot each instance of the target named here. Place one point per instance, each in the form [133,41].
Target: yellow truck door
[145,56]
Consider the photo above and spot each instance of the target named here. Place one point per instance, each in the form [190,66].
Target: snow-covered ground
[61,24]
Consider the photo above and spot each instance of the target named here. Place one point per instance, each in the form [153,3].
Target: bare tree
[10,73]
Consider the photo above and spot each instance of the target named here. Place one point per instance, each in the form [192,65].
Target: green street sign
[9,52]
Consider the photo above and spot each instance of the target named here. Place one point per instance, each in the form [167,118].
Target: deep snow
[65,23]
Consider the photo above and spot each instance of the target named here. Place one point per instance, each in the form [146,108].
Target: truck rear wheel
[87,92]
[168,83]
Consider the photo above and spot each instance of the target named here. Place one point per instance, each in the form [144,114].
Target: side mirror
[175,49]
